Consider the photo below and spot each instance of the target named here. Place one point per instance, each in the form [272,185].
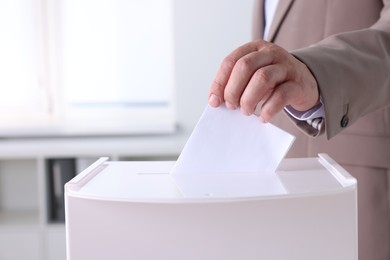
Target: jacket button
[344,121]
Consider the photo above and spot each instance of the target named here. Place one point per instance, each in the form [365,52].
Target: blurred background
[81,79]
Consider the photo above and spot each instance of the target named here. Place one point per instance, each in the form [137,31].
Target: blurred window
[86,66]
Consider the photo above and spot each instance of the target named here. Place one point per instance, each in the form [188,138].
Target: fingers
[260,86]
[217,89]
[261,74]
[277,100]
[242,74]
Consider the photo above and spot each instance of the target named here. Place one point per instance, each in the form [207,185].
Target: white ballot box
[137,210]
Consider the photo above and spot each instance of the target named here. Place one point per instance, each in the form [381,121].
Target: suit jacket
[346,45]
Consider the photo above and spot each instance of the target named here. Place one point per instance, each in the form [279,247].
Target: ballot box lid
[151,181]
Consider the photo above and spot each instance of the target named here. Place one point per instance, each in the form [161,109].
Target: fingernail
[214,101]
[262,120]
[230,105]
[243,111]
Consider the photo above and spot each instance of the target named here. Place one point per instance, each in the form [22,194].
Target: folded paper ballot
[225,141]
[226,146]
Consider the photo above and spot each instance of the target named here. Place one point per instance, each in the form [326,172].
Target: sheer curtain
[87,66]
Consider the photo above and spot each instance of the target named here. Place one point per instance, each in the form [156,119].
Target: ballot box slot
[152,173]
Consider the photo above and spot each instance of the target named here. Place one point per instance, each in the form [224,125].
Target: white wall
[205,32]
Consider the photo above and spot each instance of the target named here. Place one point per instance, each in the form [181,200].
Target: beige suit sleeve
[353,72]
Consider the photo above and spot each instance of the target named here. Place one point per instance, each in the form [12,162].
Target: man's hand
[262,72]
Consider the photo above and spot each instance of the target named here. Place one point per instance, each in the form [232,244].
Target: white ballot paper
[229,154]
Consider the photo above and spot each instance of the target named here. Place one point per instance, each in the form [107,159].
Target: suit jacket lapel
[281,12]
